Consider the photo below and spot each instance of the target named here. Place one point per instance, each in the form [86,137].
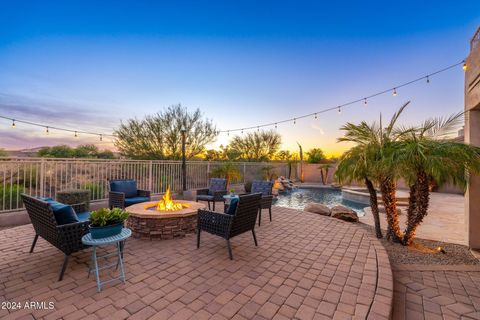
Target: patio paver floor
[306,267]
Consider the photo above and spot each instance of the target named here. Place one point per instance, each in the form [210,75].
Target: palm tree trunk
[388,188]
[422,202]
[374,207]
[411,212]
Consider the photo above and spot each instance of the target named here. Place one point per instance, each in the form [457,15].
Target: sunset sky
[87,65]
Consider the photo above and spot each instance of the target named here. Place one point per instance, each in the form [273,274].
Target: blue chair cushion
[204,197]
[83,216]
[232,208]
[63,213]
[129,187]
[135,200]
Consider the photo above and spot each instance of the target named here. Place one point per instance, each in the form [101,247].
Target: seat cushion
[129,187]
[205,197]
[83,216]
[232,208]
[63,213]
[135,200]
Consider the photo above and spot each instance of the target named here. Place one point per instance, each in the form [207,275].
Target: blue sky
[90,64]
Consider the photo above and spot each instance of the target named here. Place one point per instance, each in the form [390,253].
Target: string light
[339,110]
[101,138]
[365,101]
[350,103]
[228,133]
[294,121]
[46,130]
[76,135]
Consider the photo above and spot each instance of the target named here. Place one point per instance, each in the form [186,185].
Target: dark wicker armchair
[214,193]
[228,226]
[124,193]
[265,188]
[67,237]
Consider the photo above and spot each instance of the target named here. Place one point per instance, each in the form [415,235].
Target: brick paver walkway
[306,267]
[436,292]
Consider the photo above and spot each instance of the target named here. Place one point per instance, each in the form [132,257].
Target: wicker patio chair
[124,193]
[214,193]
[265,188]
[230,225]
[67,237]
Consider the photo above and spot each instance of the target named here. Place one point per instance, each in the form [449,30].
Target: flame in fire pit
[167,203]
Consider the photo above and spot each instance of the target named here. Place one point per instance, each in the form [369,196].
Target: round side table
[115,240]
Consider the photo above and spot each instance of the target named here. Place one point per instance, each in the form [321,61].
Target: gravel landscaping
[425,252]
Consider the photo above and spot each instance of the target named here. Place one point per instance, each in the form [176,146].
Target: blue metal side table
[115,240]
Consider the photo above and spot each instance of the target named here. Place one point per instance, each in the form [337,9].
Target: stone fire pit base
[154,225]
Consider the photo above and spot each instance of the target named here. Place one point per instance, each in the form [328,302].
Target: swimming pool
[299,198]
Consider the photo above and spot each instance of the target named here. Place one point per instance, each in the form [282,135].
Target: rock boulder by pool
[318,208]
[344,213]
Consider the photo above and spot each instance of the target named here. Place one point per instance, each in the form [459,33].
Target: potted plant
[107,222]
[232,192]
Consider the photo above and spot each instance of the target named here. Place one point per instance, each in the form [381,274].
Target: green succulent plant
[104,217]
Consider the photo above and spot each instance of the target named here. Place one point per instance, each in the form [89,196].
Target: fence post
[42,177]
[244,171]
[150,175]
[208,171]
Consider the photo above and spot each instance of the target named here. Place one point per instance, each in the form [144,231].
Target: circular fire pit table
[148,223]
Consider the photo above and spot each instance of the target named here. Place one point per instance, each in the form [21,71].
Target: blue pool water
[299,198]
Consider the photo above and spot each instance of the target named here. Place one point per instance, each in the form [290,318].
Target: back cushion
[263,187]
[217,184]
[63,213]
[232,208]
[129,187]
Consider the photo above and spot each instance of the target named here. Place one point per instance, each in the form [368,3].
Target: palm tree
[425,155]
[354,165]
[290,158]
[324,172]
[380,142]
[228,171]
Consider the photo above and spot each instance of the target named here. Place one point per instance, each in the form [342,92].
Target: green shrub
[96,190]
[10,196]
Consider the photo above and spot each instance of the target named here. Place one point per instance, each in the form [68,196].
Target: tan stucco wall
[472,136]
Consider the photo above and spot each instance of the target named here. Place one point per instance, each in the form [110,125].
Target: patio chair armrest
[80,207]
[143,193]
[203,191]
[70,236]
[214,222]
[116,199]
[218,195]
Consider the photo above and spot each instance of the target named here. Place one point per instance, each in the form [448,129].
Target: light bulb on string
[228,133]
[428,79]
[46,130]
[464,67]
[365,101]
[315,116]
[258,129]
[13,124]
[339,110]
[394,92]
[294,120]
[242,131]
[101,138]
[275,125]
[76,135]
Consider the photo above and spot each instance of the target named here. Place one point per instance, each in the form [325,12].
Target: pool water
[299,198]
